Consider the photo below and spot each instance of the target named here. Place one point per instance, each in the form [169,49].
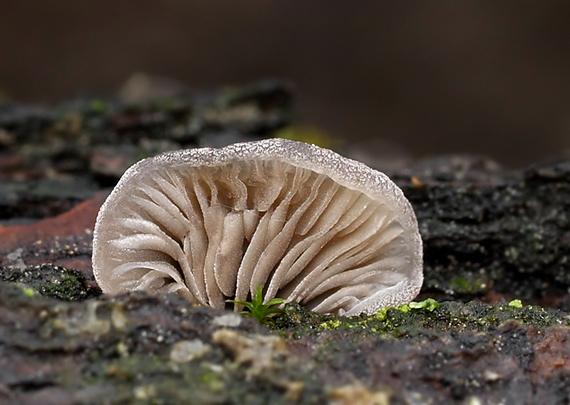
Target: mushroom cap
[305,223]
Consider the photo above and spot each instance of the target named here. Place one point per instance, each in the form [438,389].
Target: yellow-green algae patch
[415,318]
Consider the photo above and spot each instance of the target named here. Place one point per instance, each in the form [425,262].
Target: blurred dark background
[414,77]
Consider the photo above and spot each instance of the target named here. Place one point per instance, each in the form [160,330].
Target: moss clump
[63,286]
[331,324]
[417,318]
[29,292]
[516,304]
[428,304]
[50,280]
[468,286]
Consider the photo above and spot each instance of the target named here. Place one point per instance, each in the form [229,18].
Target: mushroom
[305,223]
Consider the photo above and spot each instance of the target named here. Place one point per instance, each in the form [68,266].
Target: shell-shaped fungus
[305,223]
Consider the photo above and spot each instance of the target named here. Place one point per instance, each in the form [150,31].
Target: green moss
[50,280]
[331,324]
[428,304]
[64,286]
[516,304]
[464,285]
[417,318]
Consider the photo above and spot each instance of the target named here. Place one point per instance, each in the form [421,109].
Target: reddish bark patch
[552,353]
[77,222]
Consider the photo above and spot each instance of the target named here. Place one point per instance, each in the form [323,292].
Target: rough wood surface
[490,235]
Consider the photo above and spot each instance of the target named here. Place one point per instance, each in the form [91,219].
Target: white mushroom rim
[305,223]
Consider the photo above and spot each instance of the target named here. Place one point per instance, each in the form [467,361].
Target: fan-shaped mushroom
[305,223]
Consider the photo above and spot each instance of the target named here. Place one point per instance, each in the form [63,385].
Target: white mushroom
[305,223]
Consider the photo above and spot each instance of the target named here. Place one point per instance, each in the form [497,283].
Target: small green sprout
[257,309]
[29,292]
[516,304]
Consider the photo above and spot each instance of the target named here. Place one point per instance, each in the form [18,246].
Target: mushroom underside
[212,233]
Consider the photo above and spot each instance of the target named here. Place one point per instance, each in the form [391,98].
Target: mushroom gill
[305,223]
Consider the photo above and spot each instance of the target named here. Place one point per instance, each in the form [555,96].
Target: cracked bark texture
[490,235]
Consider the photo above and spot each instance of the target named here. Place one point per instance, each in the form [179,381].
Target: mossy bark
[490,235]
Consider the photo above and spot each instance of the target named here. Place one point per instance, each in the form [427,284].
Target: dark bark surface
[490,236]
[492,233]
